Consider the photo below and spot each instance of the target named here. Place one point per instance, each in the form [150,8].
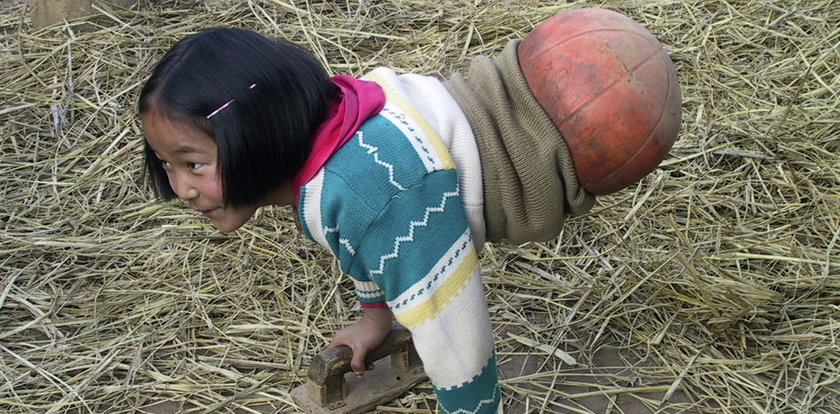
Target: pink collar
[357,101]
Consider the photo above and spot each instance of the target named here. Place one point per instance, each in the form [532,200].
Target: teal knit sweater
[388,205]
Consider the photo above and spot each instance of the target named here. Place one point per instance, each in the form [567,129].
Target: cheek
[211,187]
[171,179]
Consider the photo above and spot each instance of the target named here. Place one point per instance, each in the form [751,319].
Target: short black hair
[264,136]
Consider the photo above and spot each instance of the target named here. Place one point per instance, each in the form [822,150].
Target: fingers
[357,364]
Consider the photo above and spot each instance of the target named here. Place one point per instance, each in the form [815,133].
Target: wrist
[380,316]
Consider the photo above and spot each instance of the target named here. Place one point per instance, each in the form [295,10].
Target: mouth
[206,211]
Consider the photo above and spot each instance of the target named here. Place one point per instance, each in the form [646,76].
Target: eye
[163,163]
[194,165]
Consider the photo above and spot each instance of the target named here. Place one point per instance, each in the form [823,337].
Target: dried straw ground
[711,286]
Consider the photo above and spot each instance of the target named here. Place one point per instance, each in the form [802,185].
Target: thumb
[335,342]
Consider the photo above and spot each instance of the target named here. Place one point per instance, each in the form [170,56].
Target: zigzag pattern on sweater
[348,246]
[343,242]
[370,149]
[410,236]
[480,404]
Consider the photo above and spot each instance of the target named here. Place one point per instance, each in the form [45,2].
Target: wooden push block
[328,388]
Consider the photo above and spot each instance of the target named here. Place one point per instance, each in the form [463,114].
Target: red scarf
[357,101]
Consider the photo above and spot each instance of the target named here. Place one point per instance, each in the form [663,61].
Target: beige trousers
[529,179]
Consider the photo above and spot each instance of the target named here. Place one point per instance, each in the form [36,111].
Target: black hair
[265,134]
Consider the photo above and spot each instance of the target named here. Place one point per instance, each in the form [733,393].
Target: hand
[364,335]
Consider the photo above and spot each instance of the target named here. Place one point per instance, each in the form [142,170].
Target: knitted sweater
[390,206]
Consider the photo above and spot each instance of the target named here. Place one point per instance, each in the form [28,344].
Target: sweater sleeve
[334,219]
[419,251]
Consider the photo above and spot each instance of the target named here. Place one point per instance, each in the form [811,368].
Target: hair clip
[225,105]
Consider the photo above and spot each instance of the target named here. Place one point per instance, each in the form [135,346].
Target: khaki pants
[529,179]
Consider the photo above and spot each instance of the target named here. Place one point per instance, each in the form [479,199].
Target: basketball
[610,89]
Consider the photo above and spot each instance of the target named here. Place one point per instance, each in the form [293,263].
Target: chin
[227,227]
[228,220]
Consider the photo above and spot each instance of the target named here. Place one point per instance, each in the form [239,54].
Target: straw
[713,285]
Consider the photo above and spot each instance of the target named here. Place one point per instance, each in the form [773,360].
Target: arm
[396,223]
[420,252]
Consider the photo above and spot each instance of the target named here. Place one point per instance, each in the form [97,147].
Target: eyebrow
[189,150]
[183,150]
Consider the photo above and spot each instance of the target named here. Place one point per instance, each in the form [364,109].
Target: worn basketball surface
[609,88]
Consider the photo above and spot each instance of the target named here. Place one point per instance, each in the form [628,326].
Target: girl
[234,121]
[403,177]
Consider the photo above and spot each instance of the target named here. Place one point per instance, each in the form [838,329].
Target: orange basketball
[611,91]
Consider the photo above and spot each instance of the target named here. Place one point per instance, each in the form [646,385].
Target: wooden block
[331,389]
[377,387]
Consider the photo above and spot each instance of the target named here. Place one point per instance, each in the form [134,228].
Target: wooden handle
[326,385]
[336,361]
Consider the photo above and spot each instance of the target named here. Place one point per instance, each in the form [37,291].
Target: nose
[183,186]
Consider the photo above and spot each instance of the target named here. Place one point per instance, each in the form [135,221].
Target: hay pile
[712,286]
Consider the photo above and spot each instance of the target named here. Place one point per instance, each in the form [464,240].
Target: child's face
[188,156]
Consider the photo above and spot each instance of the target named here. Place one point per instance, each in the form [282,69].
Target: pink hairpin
[225,105]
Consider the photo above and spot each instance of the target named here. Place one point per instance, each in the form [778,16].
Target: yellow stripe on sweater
[444,294]
[393,96]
